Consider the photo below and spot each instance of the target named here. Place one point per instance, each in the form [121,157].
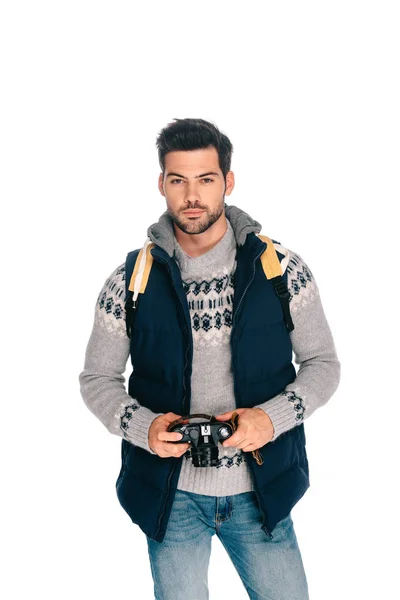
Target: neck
[200,243]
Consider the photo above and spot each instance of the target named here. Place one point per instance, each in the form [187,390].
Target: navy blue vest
[161,354]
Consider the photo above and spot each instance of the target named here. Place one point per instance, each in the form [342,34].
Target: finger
[237,443]
[237,437]
[249,448]
[176,450]
[166,436]
[242,444]
[166,449]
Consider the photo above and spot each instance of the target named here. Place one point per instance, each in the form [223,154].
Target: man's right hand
[160,439]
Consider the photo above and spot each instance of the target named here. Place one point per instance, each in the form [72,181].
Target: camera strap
[188,417]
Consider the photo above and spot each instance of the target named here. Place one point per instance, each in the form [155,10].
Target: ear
[230,182]
[160,184]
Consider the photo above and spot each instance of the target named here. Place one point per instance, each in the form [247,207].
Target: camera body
[204,438]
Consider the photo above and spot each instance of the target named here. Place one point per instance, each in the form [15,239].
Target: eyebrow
[196,177]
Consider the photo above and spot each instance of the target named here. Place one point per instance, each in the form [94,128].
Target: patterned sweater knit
[208,281]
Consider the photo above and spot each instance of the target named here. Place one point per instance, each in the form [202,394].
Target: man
[209,335]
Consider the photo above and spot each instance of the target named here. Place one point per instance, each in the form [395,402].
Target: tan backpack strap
[138,283]
[273,270]
[141,272]
[269,259]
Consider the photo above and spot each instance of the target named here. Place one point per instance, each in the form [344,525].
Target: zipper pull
[130,307]
[267,531]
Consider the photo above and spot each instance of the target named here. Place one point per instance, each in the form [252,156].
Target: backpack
[140,276]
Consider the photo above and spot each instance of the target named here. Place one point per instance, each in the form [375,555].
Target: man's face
[194,188]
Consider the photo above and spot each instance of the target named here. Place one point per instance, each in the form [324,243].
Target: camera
[203,437]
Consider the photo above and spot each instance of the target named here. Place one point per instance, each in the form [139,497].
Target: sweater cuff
[138,430]
[285,411]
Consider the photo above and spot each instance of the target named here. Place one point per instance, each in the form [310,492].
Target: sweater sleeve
[319,372]
[102,382]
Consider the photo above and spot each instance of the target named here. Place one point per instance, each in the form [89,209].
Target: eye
[175,180]
[207,179]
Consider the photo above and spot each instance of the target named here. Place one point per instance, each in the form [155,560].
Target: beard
[198,224]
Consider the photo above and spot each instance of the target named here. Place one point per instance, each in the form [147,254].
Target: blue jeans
[270,569]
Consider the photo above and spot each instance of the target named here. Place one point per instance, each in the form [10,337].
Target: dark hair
[193,134]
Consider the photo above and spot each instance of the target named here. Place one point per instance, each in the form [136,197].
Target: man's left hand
[254,429]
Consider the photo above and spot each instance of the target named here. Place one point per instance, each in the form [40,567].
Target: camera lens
[206,456]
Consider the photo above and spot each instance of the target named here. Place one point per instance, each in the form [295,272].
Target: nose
[192,195]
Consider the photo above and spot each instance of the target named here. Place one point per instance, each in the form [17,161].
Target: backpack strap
[273,271]
[138,282]
[144,261]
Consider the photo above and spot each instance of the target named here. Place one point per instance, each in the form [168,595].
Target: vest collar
[162,232]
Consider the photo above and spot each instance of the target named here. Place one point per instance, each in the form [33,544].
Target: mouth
[193,213]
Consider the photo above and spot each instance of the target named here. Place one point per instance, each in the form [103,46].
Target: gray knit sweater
[208,283]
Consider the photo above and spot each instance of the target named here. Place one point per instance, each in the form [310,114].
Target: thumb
[227,415]
[170,417]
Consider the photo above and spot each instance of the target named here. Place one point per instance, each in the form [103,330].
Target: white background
[308,93]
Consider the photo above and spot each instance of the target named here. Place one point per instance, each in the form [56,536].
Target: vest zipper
[264,527]
[186,331]
[184,387]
